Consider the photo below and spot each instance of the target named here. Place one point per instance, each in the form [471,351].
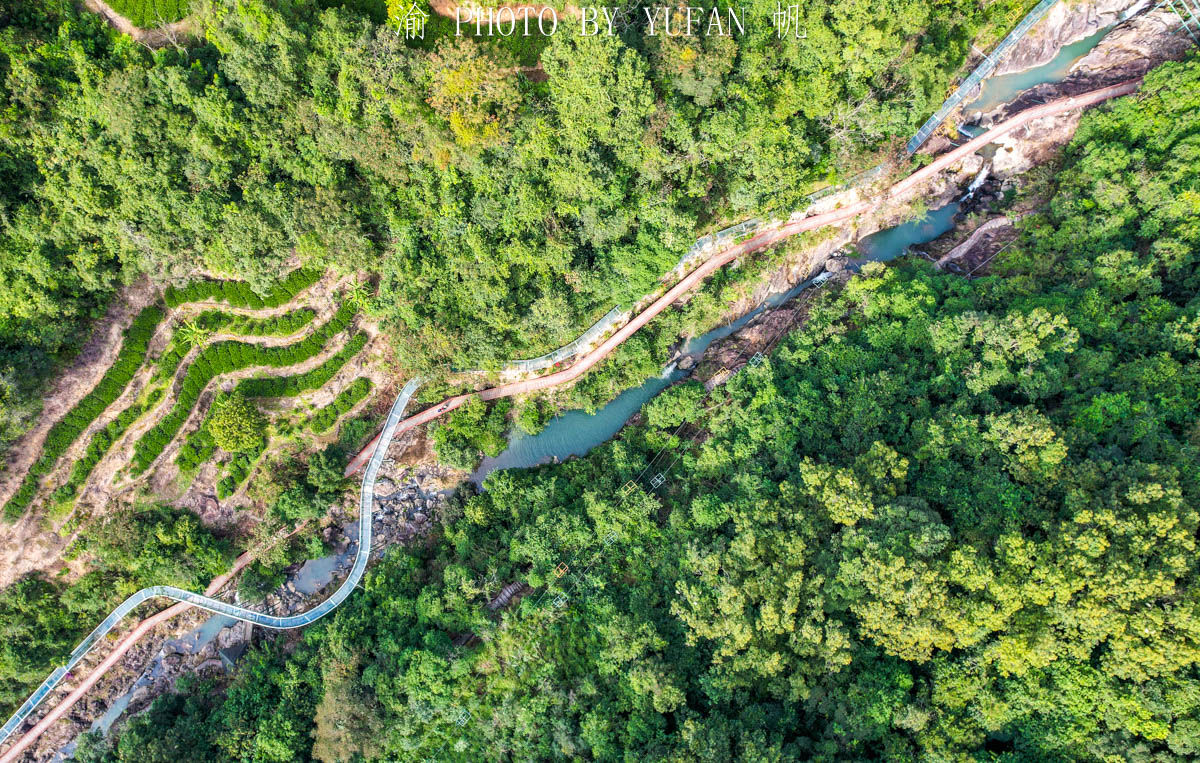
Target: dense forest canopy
[948,519]
[501,213]
[42,619]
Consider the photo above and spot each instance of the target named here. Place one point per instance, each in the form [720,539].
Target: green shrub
[238,470]
[239,293]
[68,429]
[196,449]
[325,418]
[222,358]
[290,386]
[236,425]
[192,332]
[101,442]
[149,13]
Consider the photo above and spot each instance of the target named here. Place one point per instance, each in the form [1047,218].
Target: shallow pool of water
[1000,90]
[891,243]
[575,432]
[315,574]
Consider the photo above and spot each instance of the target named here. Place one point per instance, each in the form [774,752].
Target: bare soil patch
[176,33]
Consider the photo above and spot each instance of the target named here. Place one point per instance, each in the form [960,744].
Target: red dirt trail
[764,239]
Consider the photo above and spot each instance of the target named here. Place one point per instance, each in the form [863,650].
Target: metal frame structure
[361,557]
[990,61]
[1189,15]
[568,350]
[1191,21]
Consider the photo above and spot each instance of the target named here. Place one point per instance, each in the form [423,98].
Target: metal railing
[568,350]
[701,247]
[1188,12]
[985,68]
[361,557]
[715,241]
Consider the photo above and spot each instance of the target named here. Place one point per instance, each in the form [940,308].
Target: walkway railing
[568,350]
[366,504]
[702,246]
[721,239]
[981,72]
[1188,12]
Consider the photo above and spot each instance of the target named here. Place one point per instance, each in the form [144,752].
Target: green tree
[236,425]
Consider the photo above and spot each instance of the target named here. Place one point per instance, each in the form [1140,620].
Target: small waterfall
[979,180]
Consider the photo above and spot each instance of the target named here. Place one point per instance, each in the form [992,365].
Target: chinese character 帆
[787,19]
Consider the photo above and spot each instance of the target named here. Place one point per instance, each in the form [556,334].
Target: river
[997,91]
[574,433]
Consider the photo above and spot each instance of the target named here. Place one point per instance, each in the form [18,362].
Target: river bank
[757,319]
[947,189]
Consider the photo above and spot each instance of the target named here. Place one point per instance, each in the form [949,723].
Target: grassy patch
[225,357]
[150,13]
[325,418]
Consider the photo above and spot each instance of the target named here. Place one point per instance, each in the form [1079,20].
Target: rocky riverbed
[1130,50]
[408,497]
[1063,24]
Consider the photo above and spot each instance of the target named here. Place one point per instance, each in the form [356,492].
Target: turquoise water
[576,432]
[891,243]
[1000,90]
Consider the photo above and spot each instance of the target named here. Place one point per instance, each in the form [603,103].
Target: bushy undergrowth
[222,358]
[325,418]
[240,294]
[193,332]
[238,470]
[150,13]
[196,449]
[290,386]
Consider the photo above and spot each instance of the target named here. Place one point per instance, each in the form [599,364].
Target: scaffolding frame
[1191,21]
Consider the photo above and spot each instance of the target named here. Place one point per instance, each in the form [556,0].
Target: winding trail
[901,190]
[188,599]
[376,450]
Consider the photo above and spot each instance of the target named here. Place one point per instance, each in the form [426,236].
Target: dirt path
[26,545]
[30,544]
[179,32]
[365,364]
[142,628]
[79,377]
[901,191]
[161,481]
[318,297]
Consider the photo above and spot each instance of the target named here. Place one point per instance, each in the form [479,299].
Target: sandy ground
[904,190]
[32,543]
[26,545]
[175,33]
[418,437]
